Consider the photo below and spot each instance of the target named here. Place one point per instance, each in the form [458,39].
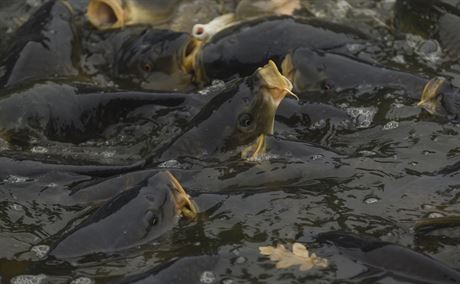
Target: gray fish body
[134,217]
[64,113]
[232,51]
[151,59]
[46,46]
[317,71]
[391,258]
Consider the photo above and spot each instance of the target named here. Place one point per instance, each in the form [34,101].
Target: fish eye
[245,121]
[150,219]
[147,67]
[327,85]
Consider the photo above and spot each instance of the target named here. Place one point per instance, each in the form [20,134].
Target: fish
[35,168]
[112,14]
[153,59]
[234,123]
[76,114]
[46,46]
[390,259]
[318,72]
[231,52]
[245,10]
[441,98]
[132,218]
[174,15]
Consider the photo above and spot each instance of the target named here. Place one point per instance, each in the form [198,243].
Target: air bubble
[371,200]
[39,150]
[82,280]
[28,279]
[362,117]
[391,125]
[16,179]
[207,277]
[40,250]
[435,215]
[240,260]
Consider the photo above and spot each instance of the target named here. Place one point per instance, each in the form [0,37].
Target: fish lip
[430,94]
[184,205]
[94,12]
[287,67]
[256,149]
[275,84]
[189,58]
[274,87]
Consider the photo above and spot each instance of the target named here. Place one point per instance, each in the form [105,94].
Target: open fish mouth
[430,96]
[184,205]
[190,57]
[106,14]
[254,150]
[287,67]
[275,84]
[274,87]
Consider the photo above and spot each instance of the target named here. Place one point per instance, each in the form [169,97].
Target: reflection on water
[390,165]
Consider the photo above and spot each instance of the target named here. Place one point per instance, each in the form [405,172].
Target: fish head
[433,96]
[166,199]
[307,71]
[154,60]
[243,113]
[113,14]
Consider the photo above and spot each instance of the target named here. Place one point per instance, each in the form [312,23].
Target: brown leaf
[299,255]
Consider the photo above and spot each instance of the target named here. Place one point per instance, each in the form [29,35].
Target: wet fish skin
[152,60]
[218,129]
[134,217]
[74,115]
[391,258]
[232,52]
[31,168]
[441,98]
[316,71]
[449,98]
[109,14]
[46,46]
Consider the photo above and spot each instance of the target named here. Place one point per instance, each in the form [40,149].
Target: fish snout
[277,85]
[106,14]
[184,205]
[430,100]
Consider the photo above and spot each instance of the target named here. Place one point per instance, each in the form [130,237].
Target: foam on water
[391,125]
[170,164]
[82,280]
[40,250]
[207,277]
[429,50]
[12,179]
[28,279]
[362,117]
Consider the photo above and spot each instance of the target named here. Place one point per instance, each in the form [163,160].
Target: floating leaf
[284,258]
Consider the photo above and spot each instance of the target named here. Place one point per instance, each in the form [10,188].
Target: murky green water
[384,183]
